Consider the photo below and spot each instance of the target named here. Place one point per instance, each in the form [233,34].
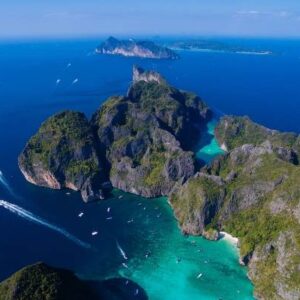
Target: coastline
[228,237]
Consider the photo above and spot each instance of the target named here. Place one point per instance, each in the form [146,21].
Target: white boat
[199,275]
[94,233]
[80,214]
[130,221]
[136,292]
[125,266]
[108,209]
[109,218]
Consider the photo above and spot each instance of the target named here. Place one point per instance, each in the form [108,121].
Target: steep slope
[63,155]
[145,134]
[253,192]
[141,142]
[235,131]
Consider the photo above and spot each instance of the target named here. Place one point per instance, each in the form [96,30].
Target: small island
[143,143]
[134,48]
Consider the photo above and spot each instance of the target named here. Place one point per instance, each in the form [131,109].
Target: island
[213,46]
[135,48]
[43,282]
[143,143]
[140,143]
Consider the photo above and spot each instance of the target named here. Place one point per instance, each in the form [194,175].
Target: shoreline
[228,237]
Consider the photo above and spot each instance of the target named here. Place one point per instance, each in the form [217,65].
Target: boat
[94,233]
[80,214]
[125,265]
[199,275]
[108,209]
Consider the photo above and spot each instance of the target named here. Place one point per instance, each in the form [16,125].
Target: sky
[59,18]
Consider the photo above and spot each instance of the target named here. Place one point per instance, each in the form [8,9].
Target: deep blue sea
[39,78]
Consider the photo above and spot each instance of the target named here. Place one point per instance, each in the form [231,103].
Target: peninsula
[134,48]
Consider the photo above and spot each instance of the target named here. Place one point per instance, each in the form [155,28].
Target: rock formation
[133,48]
[140,142]
[252,192]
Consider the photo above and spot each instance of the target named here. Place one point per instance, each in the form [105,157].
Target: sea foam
[21,212]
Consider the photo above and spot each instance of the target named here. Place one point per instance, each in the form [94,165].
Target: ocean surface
[39,78]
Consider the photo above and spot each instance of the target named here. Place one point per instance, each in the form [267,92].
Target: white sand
[224,148]
[228,237]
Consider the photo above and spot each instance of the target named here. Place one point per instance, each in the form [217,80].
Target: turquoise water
[209,147]
[44,226]
[163,277]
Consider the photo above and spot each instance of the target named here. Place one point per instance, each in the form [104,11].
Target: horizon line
[143,35]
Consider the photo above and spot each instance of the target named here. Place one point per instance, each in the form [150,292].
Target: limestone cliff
[63,155]
[140,143]
[133,48]
[252,192]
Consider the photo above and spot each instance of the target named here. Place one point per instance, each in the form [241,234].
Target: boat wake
[6,185]
[122,251]
[15,209]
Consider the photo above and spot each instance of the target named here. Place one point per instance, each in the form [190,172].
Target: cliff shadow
[118,289]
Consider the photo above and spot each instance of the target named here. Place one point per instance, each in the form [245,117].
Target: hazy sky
[134,17]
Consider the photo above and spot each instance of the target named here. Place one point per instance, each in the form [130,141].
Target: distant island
[213,46]
[143,143]
[135,48]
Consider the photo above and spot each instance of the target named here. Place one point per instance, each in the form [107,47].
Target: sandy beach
[228,237]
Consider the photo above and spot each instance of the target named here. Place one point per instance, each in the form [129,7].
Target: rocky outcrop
[140,74]
[147,135]
[139,143]
[43,282]
[197,202]
[133,48]
[63,155]
[253,192]
[235,131]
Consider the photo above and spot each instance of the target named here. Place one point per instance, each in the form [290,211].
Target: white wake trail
[122,251]
[33,218]
[6,185]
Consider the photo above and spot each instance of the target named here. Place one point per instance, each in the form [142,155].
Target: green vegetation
[196,202]
[260,206]
[237,131]
[41,282]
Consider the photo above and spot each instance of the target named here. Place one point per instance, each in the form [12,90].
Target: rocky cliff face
[140,142]
[253,192]
[235,131]
[147,134]
[132,48]
[63,155]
